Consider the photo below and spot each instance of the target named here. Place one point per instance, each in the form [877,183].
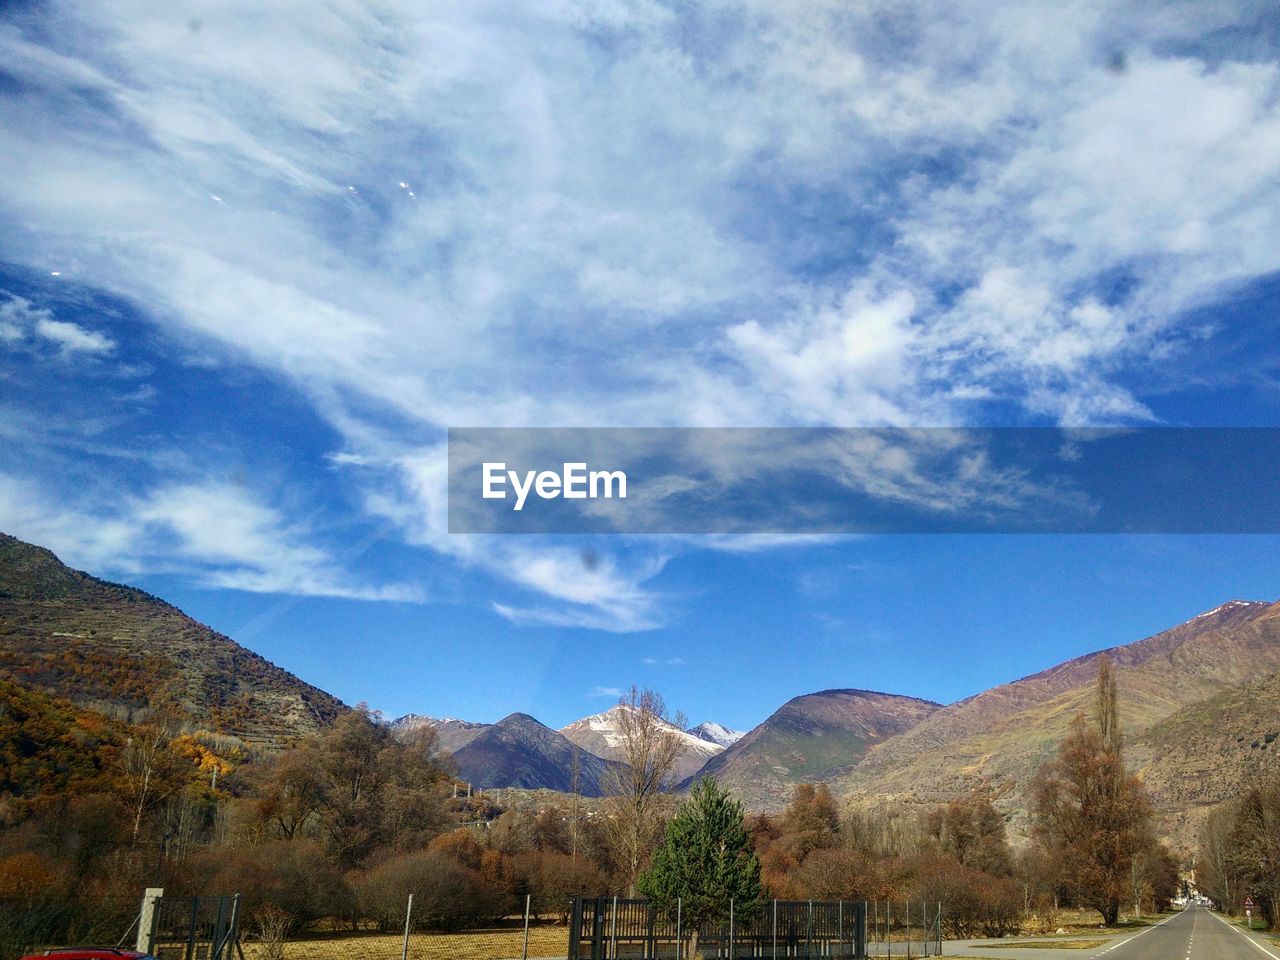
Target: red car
[90,953]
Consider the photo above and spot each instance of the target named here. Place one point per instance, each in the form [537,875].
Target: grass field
[496,944]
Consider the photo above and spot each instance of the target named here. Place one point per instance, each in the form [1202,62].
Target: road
[1192,934]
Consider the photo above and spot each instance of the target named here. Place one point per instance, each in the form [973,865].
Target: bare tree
[1215,873]
[1107,705]
[149,770]
[637,785]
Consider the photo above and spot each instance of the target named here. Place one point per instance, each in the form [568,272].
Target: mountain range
[1199,707]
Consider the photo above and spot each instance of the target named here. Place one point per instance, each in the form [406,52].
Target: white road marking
[1140,933]
[1274,956]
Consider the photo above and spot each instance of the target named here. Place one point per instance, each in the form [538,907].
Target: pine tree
[705,861]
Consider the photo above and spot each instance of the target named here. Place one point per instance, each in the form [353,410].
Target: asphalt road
[1192,934]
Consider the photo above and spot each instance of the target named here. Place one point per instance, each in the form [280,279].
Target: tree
[359,788]
[150,770]
[1092,818]
[637,784]
[1215,866]
[1255,856]
[971,831]
[811,821]
[1106,705]
[1089,814]
[704,862]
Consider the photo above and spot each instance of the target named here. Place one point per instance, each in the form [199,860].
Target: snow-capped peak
[601,733]
[716,733]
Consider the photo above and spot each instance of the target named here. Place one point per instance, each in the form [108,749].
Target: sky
[256,260]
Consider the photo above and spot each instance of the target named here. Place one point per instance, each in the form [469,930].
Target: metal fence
[611,928]
[35,923]
[599,928]
[189,928]
[904,928]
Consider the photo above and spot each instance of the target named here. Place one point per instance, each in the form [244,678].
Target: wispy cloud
[601,692]
[742,213]
[218,534]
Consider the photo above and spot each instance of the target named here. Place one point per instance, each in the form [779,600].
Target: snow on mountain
[1229,605]
[716,733]
[602,735]
[451,734]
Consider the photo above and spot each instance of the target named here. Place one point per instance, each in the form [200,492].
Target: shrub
[446,895]
[975,904]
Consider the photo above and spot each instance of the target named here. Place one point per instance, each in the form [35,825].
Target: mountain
[602,735]
[814,737]
[1002,735]
[518,751]
[717,734]
[452,735]
[119,651]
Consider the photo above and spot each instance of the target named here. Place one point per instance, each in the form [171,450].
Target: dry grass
[1048,945]
[495,944]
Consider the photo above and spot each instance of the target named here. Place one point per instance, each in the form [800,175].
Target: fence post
[408,913]
[575,927]
[939,921]
[775,928]
[613,929]
[731,950]
[231,940]
[888,925]
[524,951]
[679,926]
[147,919]
[597,930]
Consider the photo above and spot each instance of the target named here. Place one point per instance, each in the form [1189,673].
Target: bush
[446,895]
[975,904]
[552,880]
[288,877]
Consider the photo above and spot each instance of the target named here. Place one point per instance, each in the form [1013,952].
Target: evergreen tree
[705,861]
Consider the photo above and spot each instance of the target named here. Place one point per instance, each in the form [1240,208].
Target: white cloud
[73,338]
[632,214]
[611,692]
[218,534]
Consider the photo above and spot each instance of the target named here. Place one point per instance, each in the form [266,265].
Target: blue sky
[254,263]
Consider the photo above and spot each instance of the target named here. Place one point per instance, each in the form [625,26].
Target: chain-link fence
[904,928]
[599,928]
[35,923]
[519,936]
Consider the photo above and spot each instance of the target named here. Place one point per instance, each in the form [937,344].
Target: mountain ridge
[121,651]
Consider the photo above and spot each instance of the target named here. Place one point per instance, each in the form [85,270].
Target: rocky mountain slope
[815,737]
[1002,735]
[518,751]
[122,652]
